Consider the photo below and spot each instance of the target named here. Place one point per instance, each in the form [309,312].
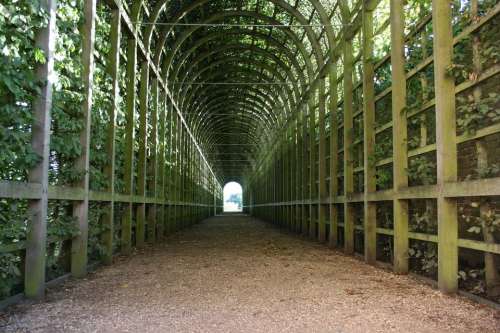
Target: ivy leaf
[40,56]
[474,230]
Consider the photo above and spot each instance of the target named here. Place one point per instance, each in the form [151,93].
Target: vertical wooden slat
[322,193]
[81,208]
[169,194]
[399,130]
[305,173]
[312,164]
[182,179]
[334,169]
[174,162]
[142,159]
[446,146]
[189,187]
[348,144]
[370,208]
[153,164]
[282,154]
[178,176]
[286,182]
[161,170]
[128,174]
[109,169]
[491,260]
[298,173]
[36,238]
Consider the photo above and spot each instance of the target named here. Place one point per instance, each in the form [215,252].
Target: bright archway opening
[233,197]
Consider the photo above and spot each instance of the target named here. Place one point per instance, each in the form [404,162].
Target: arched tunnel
[364,135]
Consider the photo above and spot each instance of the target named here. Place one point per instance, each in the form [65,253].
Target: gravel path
[237,274]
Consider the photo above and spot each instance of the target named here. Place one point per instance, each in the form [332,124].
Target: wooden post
[312,164]
[334,184]
[175,172]
[370,208]
[178,177]
[169,191]
[491,260]
[348,141]
[399,130]
[161,168]
[109,169]
[285,178]
[126,234]
[179,174]
[81,208]
[305,173]
[153,165]
[322,164]
[298,172]
[36,240]
[289,179]
[182,178]
[142,162]
[446,146]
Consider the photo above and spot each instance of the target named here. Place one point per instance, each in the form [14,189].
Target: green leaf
[474,230]
[40,56]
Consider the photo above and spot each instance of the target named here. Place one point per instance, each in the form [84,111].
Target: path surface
[236,274]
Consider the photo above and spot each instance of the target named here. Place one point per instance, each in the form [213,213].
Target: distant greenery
[236,199]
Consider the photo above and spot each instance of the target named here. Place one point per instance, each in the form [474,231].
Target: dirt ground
[237,274]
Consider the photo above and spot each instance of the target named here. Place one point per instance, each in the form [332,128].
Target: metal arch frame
[254,72]
[252,33]
[183,12]
[200,119]
[240,120]
[234,104]
[167,62]
[231,93]
[187,96]
[292,12]
[248,91]
[221,100]
[203,88]
[260,64]
[192,104]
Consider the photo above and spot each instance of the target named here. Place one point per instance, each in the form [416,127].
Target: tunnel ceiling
[237,69]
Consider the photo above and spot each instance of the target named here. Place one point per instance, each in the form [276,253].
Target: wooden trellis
[163,201]
[307,202]
[296,100]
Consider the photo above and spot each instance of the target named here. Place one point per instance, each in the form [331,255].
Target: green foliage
[384,178]
[95,249]
[489,171]
[10,275]
[483,172]
[473,115]
[385,217]
[424,220]
[61,224]
[234,198]
[101,102]
[66,109]
[13,221]
[425,256]
[474,278]
[18,84]
[422,171]
[477,222]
